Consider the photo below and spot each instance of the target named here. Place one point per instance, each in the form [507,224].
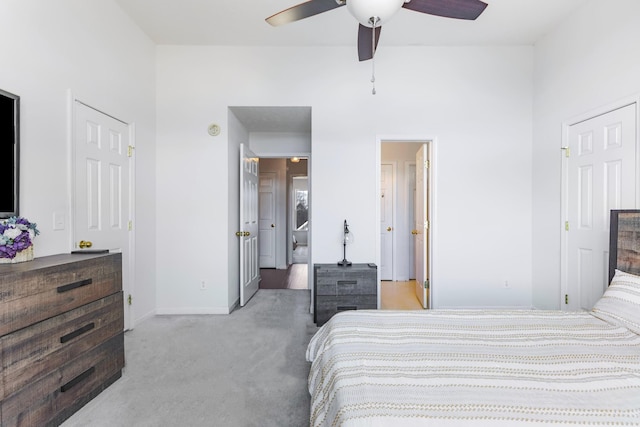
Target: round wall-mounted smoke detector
[214,129]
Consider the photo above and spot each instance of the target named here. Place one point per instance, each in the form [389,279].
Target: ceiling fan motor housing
[364,10]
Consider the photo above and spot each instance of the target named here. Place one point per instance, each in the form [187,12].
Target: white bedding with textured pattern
[473,368]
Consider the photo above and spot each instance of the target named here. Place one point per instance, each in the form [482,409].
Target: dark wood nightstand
[338,288]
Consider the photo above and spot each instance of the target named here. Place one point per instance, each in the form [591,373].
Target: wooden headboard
[624,241]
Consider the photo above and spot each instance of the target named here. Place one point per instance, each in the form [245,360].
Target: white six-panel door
[249,260]
[601,174]
[267,221]
[102,187]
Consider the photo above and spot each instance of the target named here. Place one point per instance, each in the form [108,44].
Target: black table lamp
[347,237]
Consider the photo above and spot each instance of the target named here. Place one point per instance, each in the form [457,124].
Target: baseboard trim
[167,311]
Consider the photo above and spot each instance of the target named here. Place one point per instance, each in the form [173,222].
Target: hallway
[294,277]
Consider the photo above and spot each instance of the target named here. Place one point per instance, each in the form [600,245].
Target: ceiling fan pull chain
[374,20]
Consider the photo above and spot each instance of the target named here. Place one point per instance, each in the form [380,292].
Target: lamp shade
[362,10]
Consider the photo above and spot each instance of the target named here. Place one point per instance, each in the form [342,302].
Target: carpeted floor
[245,369]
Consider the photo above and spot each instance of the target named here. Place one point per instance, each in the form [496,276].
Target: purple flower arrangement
[16,234]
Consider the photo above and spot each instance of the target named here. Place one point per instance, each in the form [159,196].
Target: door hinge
[427,164]
[566,226]
[566,298]
[567,151]
[130,225]
[130,149]
[426,225]
[426,284]
[129,299]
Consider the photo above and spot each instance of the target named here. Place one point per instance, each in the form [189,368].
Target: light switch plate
[59,221]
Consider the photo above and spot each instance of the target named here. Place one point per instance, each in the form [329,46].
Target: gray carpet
[243,369]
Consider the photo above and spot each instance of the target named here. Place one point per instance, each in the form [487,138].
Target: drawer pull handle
[68,386]
[347,282]
[347,307]
[77,333]
[74,285]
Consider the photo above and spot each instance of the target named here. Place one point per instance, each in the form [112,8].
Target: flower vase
[22,256]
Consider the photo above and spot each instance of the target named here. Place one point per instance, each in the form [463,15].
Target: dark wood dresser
[61,335]
[338,288]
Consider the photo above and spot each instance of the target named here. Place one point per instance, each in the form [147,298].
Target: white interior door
[421,230]
[386,221]
[102,177]
[411,213]
[601,175]
[249,260]
[267,221]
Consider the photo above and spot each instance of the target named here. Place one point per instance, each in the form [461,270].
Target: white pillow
[620,303]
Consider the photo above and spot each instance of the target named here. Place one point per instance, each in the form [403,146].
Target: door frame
[307,155]
[394,204]
[431,142]
[72,99]
[291,212]
[564,194]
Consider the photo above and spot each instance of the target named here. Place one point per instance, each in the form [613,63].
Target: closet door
[600,176]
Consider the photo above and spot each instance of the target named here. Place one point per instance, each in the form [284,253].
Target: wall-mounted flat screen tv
[9,153]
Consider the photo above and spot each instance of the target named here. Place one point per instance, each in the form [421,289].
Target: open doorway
[405,212]
[283,223]
[272,134]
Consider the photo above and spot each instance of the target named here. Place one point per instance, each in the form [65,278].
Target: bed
[487,368]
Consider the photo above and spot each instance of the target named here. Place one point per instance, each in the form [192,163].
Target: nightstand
[338,288]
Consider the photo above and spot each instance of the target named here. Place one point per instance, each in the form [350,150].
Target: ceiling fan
[372,14]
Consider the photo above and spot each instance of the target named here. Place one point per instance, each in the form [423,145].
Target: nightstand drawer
[33,352]
[327,306]
[348,287]
[358,286]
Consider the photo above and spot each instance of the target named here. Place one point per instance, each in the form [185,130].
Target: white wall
[280,143]
[477,101]
[48,49]
[589,61]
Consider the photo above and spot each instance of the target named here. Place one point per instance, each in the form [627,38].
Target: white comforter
[473,368]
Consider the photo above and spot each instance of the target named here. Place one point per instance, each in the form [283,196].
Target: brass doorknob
[246,234]
[85,244]
[414,232]
[388,228]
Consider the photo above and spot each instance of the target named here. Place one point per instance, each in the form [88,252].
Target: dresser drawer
[32,352]
[45,287]
[54,397]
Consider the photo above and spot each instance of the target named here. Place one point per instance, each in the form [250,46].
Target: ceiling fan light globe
[364,10]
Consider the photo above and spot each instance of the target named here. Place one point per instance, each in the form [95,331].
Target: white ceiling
[241,22]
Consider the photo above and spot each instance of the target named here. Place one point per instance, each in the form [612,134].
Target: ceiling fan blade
[303,10]
[364,42]
[460,9]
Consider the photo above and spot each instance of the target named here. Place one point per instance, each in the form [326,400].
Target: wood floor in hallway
[399,296]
